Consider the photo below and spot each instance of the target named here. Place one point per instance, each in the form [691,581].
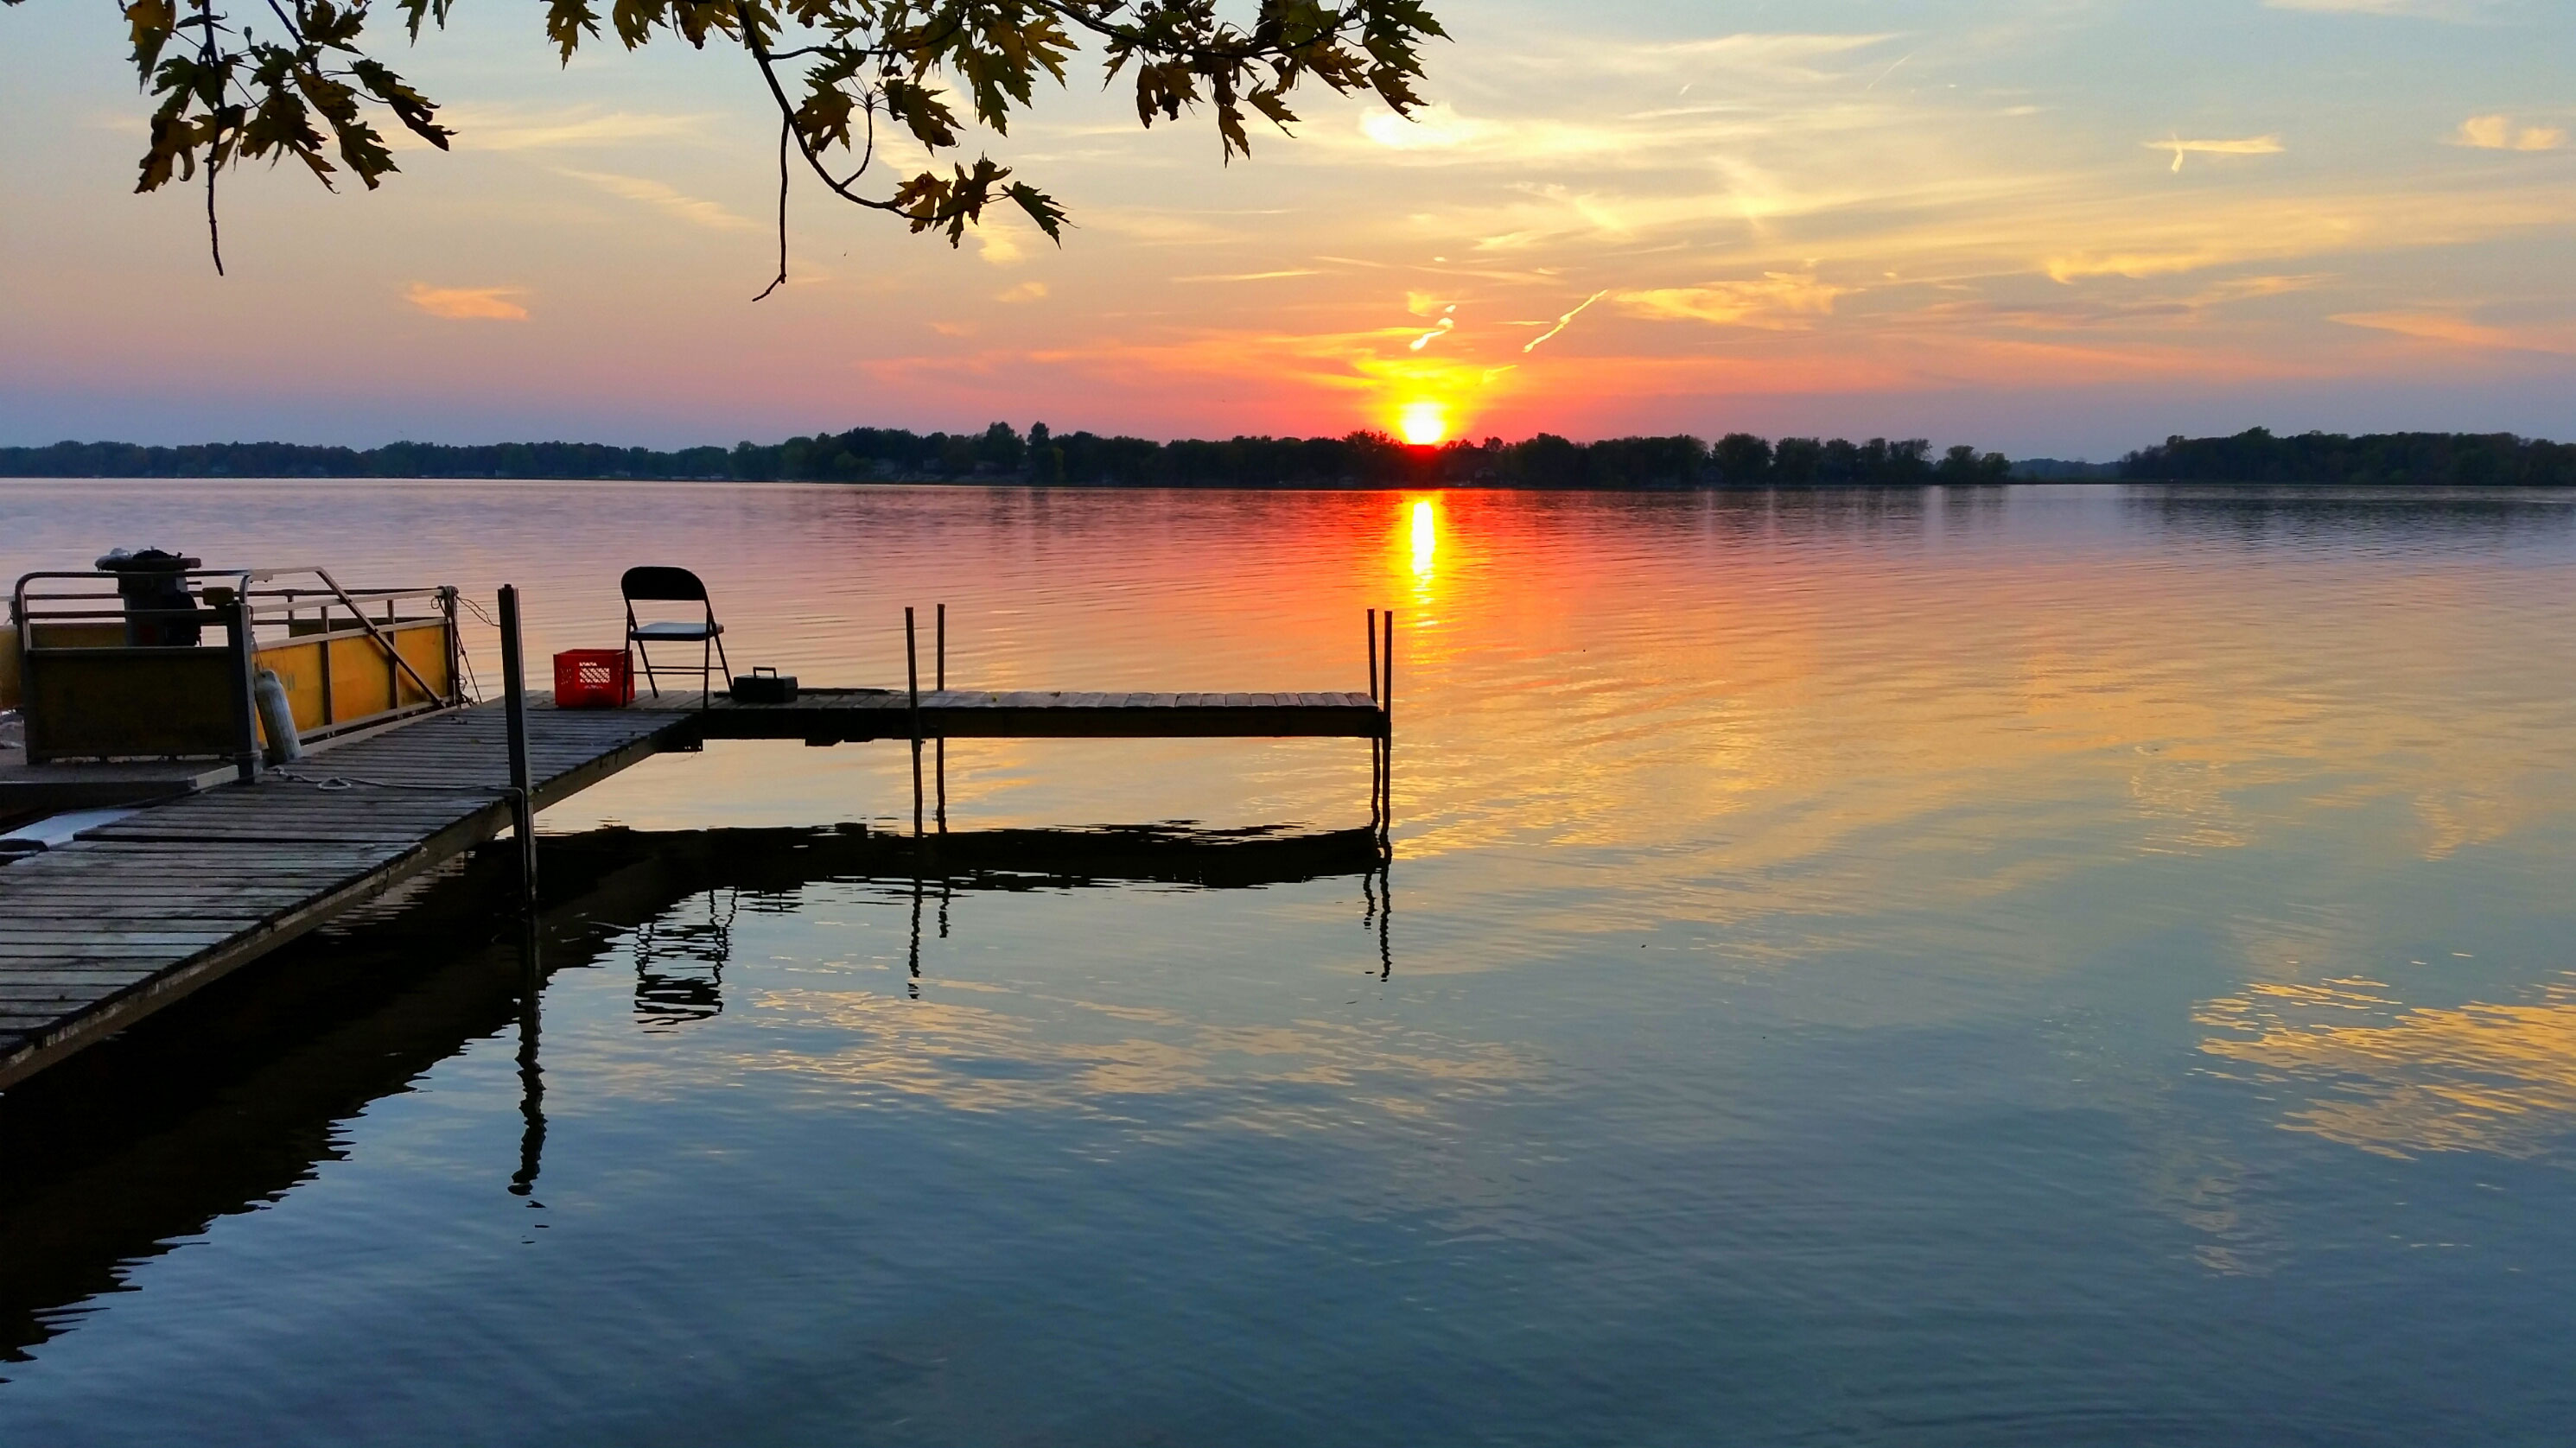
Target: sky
[2050,227]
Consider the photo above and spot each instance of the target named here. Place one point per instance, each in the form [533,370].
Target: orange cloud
[464,304]
[2455,331]
[1778,302]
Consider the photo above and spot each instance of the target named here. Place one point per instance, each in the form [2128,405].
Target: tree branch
[214,233]
[787,109]
[214,136]
[225,100]
[786,129]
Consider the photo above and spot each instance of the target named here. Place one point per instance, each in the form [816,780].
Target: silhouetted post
[1372,654]
[1385,914]
[1376,763]
[514,708]
[1386,722]
[532,1081]
[912,986]
[941,685]
[912,678]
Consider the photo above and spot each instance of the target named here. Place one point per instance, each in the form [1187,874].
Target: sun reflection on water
[1426,539]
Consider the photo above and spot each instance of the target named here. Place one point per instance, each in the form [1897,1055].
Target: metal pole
[912,677]
[514,707]
[942,773]
[244,649]
[395,664]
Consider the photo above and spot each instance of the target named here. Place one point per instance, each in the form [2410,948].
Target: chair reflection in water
[679,965]
[673,585]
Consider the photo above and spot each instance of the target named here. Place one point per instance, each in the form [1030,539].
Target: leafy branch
[227,95]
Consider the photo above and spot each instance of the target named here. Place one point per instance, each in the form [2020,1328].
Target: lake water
[2022,966]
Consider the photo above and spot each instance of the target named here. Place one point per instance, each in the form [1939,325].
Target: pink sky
[2050,229]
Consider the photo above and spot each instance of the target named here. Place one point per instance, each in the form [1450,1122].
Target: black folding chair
[673,585]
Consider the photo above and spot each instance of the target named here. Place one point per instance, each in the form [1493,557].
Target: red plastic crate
[594,679]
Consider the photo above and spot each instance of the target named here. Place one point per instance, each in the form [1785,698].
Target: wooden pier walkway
[135,914]
[852,715]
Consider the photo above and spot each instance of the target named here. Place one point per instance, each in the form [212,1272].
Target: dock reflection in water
[232,1099]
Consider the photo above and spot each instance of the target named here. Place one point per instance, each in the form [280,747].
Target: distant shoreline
[1741,490]
[1360,461]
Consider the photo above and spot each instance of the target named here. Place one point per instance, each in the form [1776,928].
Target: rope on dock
[473,685]
[342,781]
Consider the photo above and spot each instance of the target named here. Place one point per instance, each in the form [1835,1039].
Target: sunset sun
[1424,423]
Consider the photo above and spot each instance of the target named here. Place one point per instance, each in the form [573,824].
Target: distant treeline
[2422,459]
[1001,453]
[2060,470]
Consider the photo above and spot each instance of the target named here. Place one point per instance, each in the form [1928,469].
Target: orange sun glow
[1423,423]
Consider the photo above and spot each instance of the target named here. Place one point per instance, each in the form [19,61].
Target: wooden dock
[842,716]
[135,914]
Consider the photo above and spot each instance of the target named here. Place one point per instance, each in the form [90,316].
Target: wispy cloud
[2062,312]
[2499,133]
[1448,322]
[1024,292]
[1166,226]
[654,193]
[2249,146]
[468,304]
[1785,54]
[2103,238]
[2461,10]
[2453,330]
[1432,127]
[997,243]
[1563,322]
[579,126]
[1780,301]
[1260,276]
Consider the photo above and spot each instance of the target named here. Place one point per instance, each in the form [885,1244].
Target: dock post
[1374,762]
[912,679]
[523,795]
[455,648]
[941,685]
[1386,726]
